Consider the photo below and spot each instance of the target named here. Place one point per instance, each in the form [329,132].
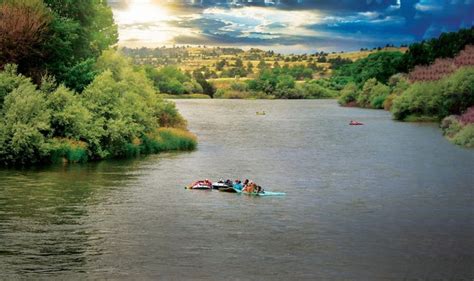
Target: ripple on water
[384,201]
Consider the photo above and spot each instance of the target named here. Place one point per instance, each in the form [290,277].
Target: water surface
[383,201]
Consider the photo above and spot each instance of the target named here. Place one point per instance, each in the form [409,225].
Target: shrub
[313,89]
[10,80]
[239,86]
[465,137]
[25,124]
[468,116]
[398,84]
[166,139]
[192,87]
[348,94]
[67,150]
[450,95]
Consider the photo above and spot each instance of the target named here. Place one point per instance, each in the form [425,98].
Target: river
[383,201]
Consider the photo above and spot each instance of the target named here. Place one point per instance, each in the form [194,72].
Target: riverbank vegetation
[66,97]
[431,81]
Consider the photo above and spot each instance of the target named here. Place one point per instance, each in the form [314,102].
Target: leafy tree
[249,67]
[168,79]
[381,66]
[285,82]
[10,80]
[220,65]
[24,126]
[348,94]
[239,63]
[313,89]
[450,95]
[76,31]
[207,87]
[192,87]
[447,45]
[69,117]
[262,64]
[23,28]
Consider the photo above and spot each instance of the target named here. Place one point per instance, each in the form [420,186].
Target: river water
[383,201]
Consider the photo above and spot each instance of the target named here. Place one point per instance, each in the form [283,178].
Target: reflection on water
[387,200]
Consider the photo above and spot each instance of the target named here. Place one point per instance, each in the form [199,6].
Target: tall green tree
[78,34]
[76,31]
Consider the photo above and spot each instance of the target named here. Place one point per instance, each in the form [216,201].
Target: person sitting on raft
[237,185]
[252,187]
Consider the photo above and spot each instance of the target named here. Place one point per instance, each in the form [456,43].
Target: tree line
[66,96]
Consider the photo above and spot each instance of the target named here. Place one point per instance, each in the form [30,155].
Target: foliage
[69,117]
[239,86]
[192,87]
[398,83]
[446,46]
[348,94]
[81,74]
[315,89]
[208,88]
[166,139]
[373,94]
[10,80]
[23,27]
[54,124]
[465,137]
[79,31]
[168,80]
[67,150]
[450,126]
[450,95]
[381,66]
[468,116]
[24,125]
[76,31]
[338,62]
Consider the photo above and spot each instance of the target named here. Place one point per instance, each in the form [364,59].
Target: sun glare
[143,21]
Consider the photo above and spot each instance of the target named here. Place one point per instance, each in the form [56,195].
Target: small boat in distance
[260,112]
[355,123]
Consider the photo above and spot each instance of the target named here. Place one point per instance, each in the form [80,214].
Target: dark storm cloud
[338,25]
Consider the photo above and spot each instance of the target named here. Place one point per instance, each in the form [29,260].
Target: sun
[144,21]
[143,11]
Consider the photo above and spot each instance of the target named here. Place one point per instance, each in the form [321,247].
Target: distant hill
[220,62]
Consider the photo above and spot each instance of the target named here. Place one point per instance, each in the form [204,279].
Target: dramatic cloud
[288,25]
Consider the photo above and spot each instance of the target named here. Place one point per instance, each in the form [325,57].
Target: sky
[287,26]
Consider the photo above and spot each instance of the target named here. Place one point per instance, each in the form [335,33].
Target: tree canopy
[76,32]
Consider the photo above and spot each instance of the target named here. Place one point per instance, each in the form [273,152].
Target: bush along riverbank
[117,115]
[460,129]
[65,96]
[451,97]
[426,84]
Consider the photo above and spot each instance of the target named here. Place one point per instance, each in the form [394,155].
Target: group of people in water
[228,185]
[246,186]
